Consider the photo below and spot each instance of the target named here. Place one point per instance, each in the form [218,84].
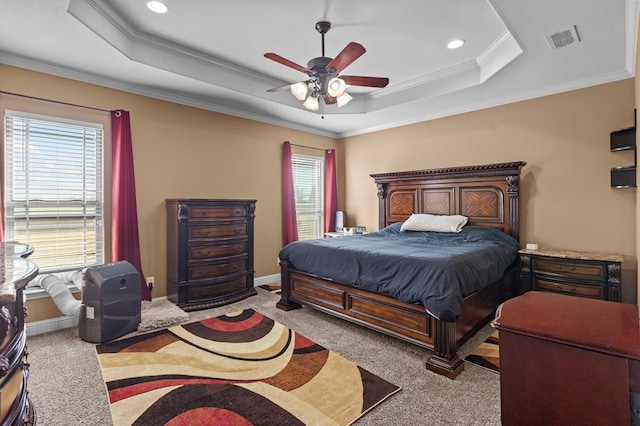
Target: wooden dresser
[17,271]
[574,273]
[209,251]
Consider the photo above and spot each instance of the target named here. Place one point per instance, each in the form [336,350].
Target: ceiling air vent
[563,38]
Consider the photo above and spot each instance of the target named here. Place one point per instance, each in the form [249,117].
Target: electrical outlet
[150,282]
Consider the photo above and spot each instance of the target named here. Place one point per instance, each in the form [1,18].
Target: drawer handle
[566,268]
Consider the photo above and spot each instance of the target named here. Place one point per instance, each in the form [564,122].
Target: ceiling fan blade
[357,80]
[285,61]
[349,54]
[277,89]
[329,100]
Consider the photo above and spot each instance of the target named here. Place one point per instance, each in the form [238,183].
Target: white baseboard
[53,324]
[275,278]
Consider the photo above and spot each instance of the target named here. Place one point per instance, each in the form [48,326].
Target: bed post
[513,189]
[382,213]
[285,304]
[444,359]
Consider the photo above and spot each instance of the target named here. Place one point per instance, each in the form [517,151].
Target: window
[54,189]
[308,187]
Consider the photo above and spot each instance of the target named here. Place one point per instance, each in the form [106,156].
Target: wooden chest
[209,251]
[568,361]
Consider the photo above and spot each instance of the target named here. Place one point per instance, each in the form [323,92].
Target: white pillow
[436,223]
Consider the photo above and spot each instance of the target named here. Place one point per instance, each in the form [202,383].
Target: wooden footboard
[409,322]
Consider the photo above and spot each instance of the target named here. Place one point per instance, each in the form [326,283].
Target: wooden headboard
[487,194]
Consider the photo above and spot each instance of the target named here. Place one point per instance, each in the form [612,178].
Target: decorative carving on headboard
[487,194]
[496,169]
[512,184]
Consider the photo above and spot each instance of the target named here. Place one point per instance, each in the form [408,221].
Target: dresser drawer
[217,212]
[216,270]
[200,292]
[570,268]
[9,315]
[205,232]
[208,252]
[591,291]
[10,389]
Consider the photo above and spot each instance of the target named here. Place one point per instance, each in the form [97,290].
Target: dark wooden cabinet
[15,408]
[575,273]
[209,251]
[568,361]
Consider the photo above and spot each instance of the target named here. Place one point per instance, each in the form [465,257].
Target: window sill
[33,293]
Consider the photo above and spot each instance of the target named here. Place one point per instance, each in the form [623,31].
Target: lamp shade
[299,90]
[336,87]
[343,99]
[311,103]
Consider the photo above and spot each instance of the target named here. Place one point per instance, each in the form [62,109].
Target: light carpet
[241,368]
[160,313]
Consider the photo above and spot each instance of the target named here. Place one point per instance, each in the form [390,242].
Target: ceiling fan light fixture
[343,99]
[299,90]
[311,103]
[157,6]
[336,87]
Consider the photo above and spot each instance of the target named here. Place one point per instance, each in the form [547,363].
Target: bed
[488,195]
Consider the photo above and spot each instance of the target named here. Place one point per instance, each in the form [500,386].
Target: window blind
[54,189]
[308,185]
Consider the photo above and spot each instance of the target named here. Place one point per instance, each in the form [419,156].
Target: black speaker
[111,302]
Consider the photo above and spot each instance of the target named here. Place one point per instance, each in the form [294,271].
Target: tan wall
[566,198]
[566,202]
[181,151]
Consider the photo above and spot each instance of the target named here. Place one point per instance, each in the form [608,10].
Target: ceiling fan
[325,80]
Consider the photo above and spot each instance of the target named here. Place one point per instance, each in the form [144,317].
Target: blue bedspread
[436,269]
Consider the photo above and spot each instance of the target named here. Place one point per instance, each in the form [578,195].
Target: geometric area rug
[241,368]
[487,354]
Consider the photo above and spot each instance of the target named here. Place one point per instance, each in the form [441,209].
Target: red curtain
[330,190]
[125,242]
[289,224]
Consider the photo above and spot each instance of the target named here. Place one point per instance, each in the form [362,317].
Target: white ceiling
[209,54]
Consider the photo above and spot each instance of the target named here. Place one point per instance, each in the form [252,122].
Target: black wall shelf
[624,140]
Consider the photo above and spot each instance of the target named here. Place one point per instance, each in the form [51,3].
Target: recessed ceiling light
[157,6]
[454,44]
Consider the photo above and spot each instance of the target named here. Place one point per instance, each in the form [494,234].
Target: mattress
[436,269]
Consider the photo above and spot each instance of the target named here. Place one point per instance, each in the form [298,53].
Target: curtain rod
[309,147]
[51,100]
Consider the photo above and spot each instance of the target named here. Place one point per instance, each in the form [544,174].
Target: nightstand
[575,273]
[341,234]
[334,234]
